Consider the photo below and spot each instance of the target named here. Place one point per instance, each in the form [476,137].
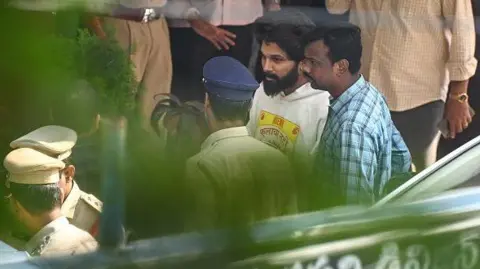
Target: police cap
[228,79]
[55,141]
[28,166]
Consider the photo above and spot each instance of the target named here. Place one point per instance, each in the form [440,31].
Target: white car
[430,221]
[458,170]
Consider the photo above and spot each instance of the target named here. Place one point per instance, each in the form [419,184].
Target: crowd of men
[407,75]
[342,107]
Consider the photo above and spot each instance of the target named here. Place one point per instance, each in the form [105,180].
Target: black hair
[190,128]
[229,110]
[37,199]
[189,112]
[285,28]
[343,40]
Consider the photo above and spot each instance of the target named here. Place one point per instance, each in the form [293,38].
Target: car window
[459,169]
[472,182]
[461,172]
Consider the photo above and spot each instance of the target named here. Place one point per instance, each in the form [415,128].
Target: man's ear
[341,67]
[301,67]
[208,108]
[69,173]
[19,210]
[210,116]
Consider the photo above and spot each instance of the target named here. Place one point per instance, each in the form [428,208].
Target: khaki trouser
[149,47]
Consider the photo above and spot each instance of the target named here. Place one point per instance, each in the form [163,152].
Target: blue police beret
[229,79]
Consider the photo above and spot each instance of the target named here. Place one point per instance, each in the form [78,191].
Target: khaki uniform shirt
[60,238]
[412,49]
[82,210]
[237,179]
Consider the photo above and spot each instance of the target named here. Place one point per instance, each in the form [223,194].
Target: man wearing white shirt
[286,112]
[222,28]
[231,164]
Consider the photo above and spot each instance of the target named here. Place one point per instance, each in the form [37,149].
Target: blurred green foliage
[44,52]
[43,55]
[108,69]
[26,70]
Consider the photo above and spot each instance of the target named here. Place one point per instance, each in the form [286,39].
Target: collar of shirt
[68,206]
[338,103]
[224,134]
[35,245]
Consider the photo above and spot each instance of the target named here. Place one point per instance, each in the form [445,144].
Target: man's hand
[220,38]
[457,113]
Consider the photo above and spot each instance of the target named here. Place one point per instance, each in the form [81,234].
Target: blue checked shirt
[360,148]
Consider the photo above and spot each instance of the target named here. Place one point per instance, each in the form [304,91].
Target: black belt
[136,14]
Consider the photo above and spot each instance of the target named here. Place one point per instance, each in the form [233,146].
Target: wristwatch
[461,97]
[149,15]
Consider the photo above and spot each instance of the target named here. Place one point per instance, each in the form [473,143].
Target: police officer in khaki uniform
[235,179]
[82,209]
[35,198]
[142,31]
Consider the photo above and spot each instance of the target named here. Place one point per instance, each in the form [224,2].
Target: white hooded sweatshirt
[293,123]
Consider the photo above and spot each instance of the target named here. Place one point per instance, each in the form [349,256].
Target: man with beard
[287,113]
[231,164]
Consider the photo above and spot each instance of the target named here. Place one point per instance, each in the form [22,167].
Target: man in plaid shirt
[360,149]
